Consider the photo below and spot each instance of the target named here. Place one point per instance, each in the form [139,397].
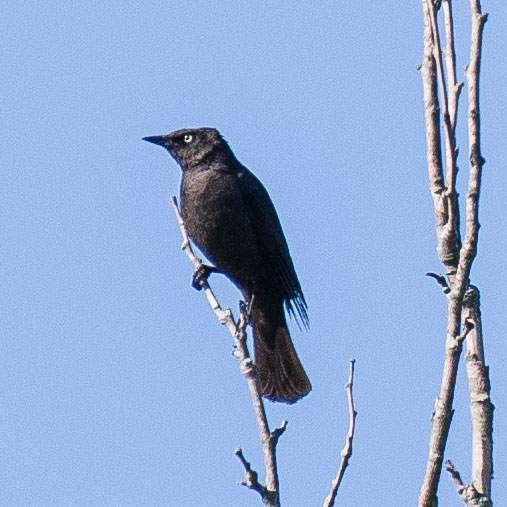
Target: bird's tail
[281,374]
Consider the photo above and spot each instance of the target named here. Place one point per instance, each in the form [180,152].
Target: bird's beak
[160,140]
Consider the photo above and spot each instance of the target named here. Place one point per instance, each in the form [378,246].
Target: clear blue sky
[118,387]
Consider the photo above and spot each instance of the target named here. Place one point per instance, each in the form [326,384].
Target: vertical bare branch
[450,64]
[270,492]
[432,122]
[450,118]
[446,212]
[481,406]
[458,259]
[346,452]
[469,250]
[451,241]
[478,372]
[442,417]
[269,439]
[444,193]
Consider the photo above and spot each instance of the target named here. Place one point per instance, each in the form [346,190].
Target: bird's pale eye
[188,138]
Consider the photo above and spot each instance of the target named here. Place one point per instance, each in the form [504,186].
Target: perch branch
[269,493]
[346,452]
[224,316]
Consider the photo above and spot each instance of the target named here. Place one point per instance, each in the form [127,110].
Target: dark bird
[230,217]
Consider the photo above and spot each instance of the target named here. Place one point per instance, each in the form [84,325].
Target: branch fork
[440,85]
[467,492]
[269,492]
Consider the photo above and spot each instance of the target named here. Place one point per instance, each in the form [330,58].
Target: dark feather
[269,233]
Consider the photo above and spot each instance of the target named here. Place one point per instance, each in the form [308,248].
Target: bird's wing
[271,239]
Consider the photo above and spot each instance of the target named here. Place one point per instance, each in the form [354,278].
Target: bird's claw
[243,309]
[246,308]
[201,275]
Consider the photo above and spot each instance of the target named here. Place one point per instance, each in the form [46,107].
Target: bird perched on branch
[229,215]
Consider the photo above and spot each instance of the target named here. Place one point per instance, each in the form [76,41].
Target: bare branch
[455,88]
[455,475]
[468,493]
[463,490]
[437,54]
[346,452]
[279,431]
[450,240]
[445,248]
[269,439]
[251,477]
[481,406]
[469,249]
[441,421]
[270,492]
[477,371]
[448,235]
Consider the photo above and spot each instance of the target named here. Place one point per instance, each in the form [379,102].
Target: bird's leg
[245,307]
[201,275]
[249,306]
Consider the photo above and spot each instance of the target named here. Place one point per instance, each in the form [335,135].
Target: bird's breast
[218,221]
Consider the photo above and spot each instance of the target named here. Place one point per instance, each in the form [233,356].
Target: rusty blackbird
[230,217]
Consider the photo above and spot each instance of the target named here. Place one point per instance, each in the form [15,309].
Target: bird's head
[191,147]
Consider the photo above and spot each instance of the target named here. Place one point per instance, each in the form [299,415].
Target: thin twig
[269,493]
[455,88]
[269,439]
[346,452]
[468,493]
[450,117]
[251,476]
[455,475]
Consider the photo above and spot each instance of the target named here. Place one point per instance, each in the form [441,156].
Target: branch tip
[279,431]
[346,451]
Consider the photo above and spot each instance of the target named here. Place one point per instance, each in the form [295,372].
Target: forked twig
[270,492]
[458,259]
